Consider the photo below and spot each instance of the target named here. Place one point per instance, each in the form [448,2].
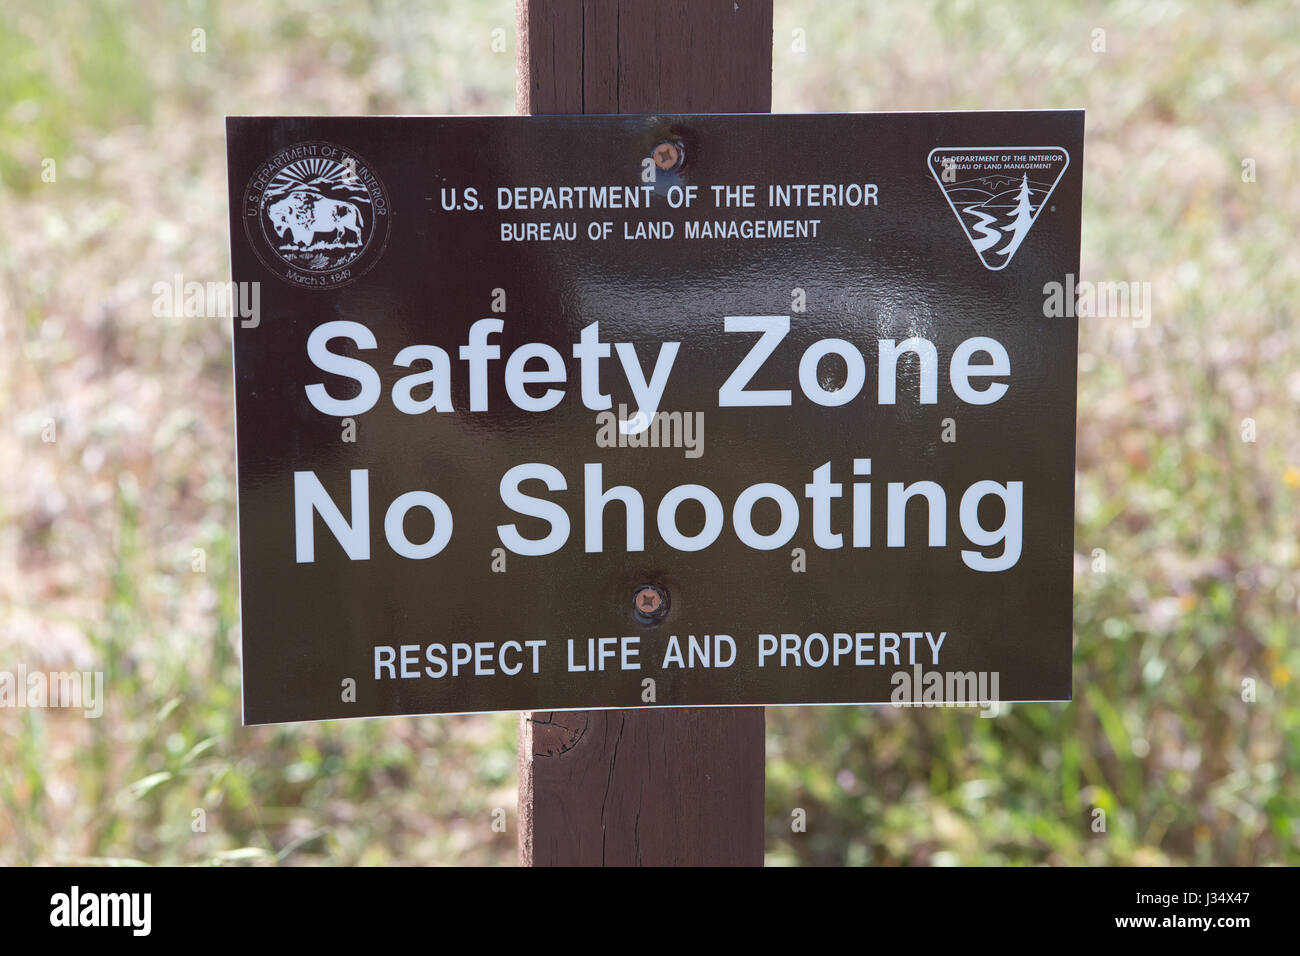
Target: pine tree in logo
[1022,219]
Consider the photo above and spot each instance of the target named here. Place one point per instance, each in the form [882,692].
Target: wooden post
[643,787]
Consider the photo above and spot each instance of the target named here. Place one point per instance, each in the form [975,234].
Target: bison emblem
[307,215]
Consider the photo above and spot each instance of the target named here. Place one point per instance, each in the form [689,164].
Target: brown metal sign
[572,412]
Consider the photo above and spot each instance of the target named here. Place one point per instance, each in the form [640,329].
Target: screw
[650,604]
[668,155]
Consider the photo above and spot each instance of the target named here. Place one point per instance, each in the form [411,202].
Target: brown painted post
[643,787]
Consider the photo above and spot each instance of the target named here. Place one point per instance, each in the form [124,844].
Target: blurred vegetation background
[1187,562]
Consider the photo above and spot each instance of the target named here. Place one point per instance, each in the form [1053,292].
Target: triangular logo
[997,193]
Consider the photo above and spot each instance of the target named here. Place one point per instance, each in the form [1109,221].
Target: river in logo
[317,215]
[998,193]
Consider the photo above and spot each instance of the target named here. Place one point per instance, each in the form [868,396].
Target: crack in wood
[609,782]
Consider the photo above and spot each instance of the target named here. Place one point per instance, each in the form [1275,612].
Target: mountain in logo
[998,193]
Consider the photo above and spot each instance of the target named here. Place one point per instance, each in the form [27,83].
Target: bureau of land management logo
[997,193]
[317,215]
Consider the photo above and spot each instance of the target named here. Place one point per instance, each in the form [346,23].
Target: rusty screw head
[668,155]
[650,604]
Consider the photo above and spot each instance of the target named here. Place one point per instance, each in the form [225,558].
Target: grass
[1197,528]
